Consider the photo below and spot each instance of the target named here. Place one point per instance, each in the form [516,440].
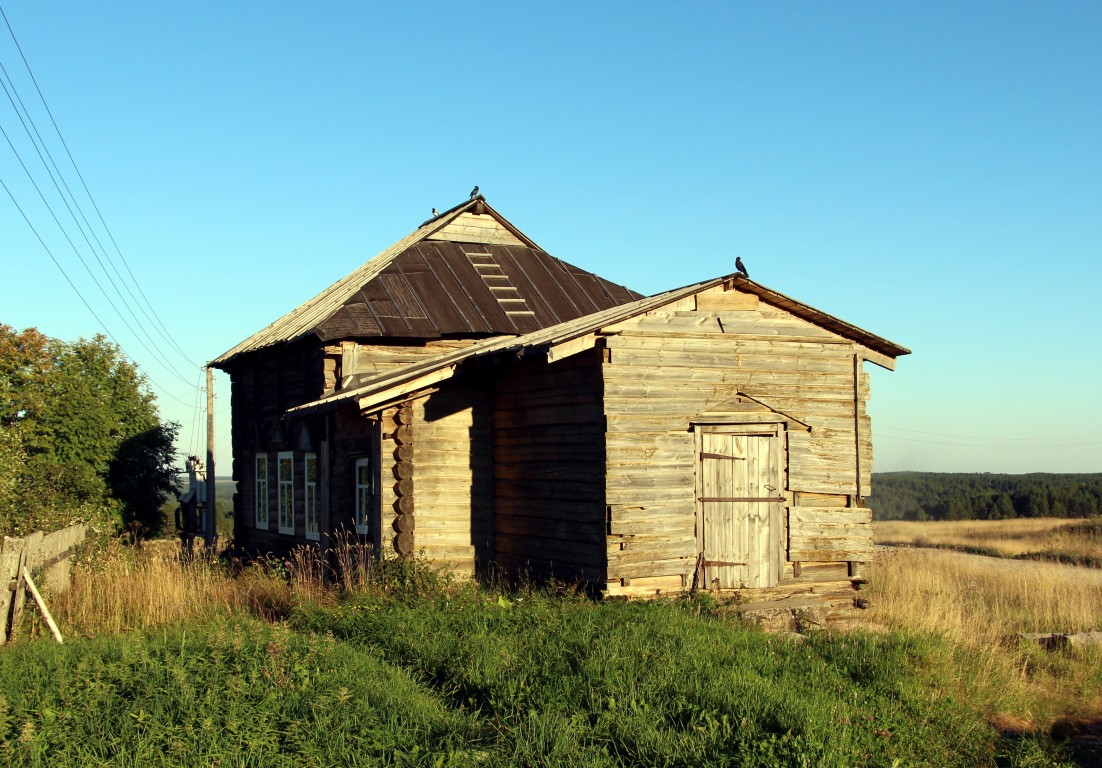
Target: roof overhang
[877,349]
[565,339]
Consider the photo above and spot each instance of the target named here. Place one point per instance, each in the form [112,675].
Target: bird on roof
[435,213]
[474,191]
[740,267]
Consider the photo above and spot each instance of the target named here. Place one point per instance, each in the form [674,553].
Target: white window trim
[289,486]
[260,493]
[311,495]
[363,516]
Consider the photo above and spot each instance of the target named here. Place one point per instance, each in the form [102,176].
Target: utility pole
[210,533]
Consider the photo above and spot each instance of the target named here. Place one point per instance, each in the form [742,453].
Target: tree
[81,436]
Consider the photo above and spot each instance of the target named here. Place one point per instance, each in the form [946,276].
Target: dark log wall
[352,437]
[549,469]
[263,385]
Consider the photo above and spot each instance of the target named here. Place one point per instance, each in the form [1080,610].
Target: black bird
[474,191]
[434,213]
[741,267]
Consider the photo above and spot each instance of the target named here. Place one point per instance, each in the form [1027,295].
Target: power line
[76,290]
[88,269]
[980,437]
[159,324]
[1036,446]
[89,233]
[61,227]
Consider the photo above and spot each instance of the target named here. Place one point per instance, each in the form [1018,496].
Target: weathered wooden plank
[829,515]
[566,413]
[860,553]
[563,490]
[639,549]
[748,345]
[590,509]
[553,529]
[476,228]
[651,568]
[728,301]
[646,586]
[556,471]
[639,477]
[725,384]
[561,396]
[723,360]
[537,547]
[679,525]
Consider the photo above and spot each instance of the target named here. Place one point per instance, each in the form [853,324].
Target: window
[261,500]
[364,492]
[313,531]
[286,466]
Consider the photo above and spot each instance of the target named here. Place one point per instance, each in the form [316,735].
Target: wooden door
[740,526]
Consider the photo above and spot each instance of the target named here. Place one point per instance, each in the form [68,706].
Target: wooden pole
[42,605]
[211,531]
[857,425]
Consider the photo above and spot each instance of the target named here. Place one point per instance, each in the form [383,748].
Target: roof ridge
[299,320]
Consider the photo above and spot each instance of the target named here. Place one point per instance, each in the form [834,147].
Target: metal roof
[457,274]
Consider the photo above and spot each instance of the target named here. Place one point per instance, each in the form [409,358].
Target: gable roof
[467,271]
[574,336]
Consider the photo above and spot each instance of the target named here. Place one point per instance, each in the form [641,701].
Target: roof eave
[267,337]
[873,342]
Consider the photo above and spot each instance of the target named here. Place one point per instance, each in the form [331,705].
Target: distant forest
[952,496]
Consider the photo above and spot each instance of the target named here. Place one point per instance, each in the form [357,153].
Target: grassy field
[981,605]
[1059,539]
[172,664]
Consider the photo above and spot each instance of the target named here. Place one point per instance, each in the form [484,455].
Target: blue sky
[930,171]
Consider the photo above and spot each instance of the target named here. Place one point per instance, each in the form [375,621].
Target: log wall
[263,384]
[549,469]
[666,369]
[452,474]
[352,436]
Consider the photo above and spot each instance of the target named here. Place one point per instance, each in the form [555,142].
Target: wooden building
[467,397]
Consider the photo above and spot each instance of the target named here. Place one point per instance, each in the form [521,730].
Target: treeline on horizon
[983,496]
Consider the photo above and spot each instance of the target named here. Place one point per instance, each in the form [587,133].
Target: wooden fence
[46,556]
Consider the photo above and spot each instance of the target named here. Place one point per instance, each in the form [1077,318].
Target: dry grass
[981,604]
[124,589]
[1047,538]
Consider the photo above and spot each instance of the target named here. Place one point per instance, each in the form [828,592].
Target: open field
[172,664]
[1059,539]
[981,604]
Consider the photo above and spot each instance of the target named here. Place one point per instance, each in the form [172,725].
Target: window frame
[286,493]
[260,493]
[364,496]
[310,497]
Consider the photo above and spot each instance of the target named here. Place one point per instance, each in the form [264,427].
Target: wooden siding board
[666,368]
[826,534]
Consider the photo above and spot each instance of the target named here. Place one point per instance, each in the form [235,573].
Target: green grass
[243,694]
[473,677]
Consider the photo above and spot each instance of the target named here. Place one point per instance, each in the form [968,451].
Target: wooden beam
[371,402]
